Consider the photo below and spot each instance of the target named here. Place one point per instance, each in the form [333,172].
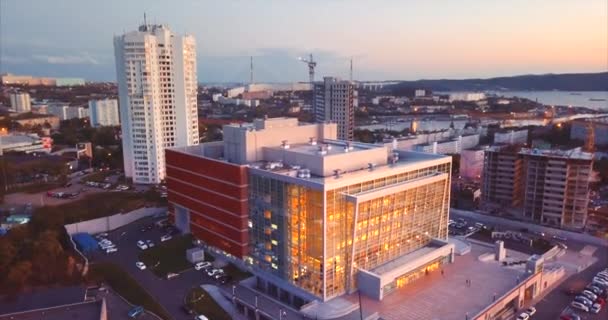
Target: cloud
[13,59]
[83,58]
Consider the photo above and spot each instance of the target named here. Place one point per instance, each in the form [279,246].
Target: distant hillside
[564,82]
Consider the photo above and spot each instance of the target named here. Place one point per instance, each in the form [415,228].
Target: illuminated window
[274,226]
[267,214]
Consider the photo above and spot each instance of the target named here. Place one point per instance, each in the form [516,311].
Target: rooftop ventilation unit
[395,157]
[284,144]
[371,166]
[337,173]
[312,141]
[322,150]
[304,173]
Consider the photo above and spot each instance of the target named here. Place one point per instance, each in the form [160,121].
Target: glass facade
[289,239]
[286,228]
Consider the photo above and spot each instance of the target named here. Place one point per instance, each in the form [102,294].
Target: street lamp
[282,314]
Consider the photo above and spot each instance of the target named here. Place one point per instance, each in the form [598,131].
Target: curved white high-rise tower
[157,87]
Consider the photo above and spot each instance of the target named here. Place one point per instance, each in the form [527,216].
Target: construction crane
[311,67]
[590,141]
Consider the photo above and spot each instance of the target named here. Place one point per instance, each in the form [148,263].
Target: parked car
[111,250]
[202,265]
[171,275]
[523,316]
[595,308]
[142,245]
[560,238]
[165,237]
[136,312]
[140,265]
[213,272]
[531,311]
[594,289]
[583,300]
[150,243]
[201,317]
[572,316]
[579,306]
[590,295]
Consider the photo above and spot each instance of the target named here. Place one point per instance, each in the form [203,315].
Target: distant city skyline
[388,40]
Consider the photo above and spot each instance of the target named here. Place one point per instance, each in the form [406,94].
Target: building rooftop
[404,259]
[82,311]
[556,153]
[419,300]
[327,148]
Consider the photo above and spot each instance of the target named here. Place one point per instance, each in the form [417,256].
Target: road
[169,293]
[551,306]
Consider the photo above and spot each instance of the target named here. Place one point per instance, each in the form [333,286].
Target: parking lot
[169,293]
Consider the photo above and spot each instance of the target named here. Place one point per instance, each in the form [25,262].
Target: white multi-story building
[104,112]
[20,102]
[511,137]
[467,96]
[334,100]
[65,112]
[157,86]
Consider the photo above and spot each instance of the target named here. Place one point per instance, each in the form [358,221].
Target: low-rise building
[511,137]
[10,79]
[39,120]
[27,143]
[452,146]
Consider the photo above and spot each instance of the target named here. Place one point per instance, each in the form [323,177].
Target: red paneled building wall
[215,195]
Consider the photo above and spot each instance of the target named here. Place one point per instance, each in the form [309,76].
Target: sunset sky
[388,39]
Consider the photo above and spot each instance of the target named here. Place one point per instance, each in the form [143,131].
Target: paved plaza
[447,296]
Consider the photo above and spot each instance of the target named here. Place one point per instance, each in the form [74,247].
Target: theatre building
[314,217]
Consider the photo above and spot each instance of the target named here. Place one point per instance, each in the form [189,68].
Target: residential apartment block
[502,178]
[314,216]
[334,100]
[104,112]
[20,102]
[557,186]
[549,187]
[157,86]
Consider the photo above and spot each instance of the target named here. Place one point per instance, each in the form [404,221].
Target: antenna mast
[145,21]
[351,69]
[251,70]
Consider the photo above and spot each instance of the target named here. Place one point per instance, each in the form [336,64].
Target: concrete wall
[108,223]
[242,145]
[583,237]
[369,284]
[516,293]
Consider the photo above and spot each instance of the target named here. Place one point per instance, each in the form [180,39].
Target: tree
[18,275]
[7,255]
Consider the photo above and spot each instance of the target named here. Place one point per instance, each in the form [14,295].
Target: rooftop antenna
[351,69]
[251,70]
[145,21]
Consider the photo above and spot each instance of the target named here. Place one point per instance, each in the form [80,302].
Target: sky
[387,39]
